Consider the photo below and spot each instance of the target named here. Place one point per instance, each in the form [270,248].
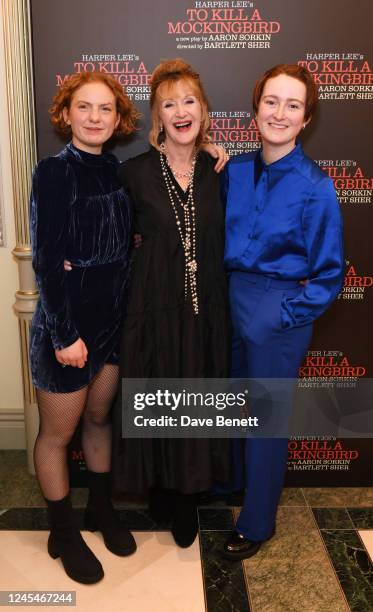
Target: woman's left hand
[74,355]
[217,152]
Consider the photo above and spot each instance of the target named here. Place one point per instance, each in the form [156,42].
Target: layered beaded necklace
[182,175]
[188,233]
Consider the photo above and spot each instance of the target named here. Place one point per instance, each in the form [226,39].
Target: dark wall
[231,42]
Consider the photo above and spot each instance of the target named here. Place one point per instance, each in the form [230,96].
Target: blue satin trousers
[263,349]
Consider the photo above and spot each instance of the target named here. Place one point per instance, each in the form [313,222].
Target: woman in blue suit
[284,255]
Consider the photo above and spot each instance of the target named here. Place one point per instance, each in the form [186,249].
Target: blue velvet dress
[79,212]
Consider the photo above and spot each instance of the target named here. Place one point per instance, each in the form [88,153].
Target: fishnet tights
[59,416]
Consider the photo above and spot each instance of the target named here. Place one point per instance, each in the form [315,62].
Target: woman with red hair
[80,212]
[283,251]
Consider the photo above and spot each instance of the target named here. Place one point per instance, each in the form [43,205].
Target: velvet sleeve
[51,198]
[322,232]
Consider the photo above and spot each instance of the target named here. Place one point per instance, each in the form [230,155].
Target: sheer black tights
[59,416]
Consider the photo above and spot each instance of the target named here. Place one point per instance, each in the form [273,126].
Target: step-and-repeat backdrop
[230,43]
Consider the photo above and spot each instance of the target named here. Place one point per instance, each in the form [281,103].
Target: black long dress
[162,337]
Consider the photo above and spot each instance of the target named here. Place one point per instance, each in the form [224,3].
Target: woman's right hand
[74,355]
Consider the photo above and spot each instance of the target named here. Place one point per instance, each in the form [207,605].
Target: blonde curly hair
[164,78]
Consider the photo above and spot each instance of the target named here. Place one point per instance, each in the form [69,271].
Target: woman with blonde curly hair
[177,323]
[80,212]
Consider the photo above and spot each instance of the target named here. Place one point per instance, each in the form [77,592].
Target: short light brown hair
[297,72]
[164,77]
[125,108]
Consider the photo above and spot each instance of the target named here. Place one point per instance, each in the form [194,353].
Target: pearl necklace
[180,175]
[187,235]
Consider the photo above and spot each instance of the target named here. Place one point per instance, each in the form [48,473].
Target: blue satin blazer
[283,220]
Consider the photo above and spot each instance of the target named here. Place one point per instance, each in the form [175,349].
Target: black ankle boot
[185,523]
[66,542]
[100,516]
[161,505]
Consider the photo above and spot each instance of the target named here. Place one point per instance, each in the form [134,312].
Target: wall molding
[21,113]
[12,429]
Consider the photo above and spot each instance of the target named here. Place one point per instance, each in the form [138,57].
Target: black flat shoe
[237,547]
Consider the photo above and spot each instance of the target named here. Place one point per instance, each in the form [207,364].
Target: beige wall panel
[12,433]
[14,164]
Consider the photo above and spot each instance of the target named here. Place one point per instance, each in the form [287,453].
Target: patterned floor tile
[332,518]
[353,567]
[353,497]
[225,588]
[292,571]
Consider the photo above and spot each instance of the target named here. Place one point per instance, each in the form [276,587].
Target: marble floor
[320,559]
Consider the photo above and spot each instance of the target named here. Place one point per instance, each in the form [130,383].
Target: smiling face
[92,116]
[180,113]
[280,115]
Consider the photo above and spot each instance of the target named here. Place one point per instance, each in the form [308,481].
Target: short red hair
[125,108]
[297,72]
